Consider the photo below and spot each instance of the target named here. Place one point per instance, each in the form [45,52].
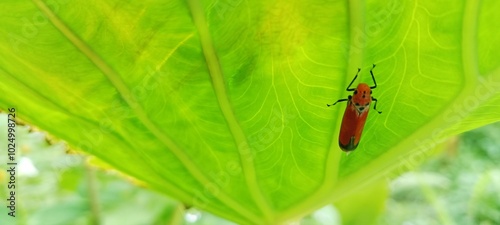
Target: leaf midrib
[356,180]
[471,73]
[225,105]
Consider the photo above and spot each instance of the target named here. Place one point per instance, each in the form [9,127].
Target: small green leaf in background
[221,104]
[366,206]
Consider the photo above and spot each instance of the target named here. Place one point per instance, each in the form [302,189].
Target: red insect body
[354,118]
[355,114]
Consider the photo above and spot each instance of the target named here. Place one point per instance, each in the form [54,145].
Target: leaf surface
[222,104]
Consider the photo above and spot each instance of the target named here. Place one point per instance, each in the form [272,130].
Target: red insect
[356,112]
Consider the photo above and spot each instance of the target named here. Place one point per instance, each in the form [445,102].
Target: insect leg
[340,100]
[375,105]
[349,87]
[373,77]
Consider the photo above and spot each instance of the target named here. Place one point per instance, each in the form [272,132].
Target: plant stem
[93,198]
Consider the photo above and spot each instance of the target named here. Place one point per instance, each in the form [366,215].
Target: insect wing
[351,128]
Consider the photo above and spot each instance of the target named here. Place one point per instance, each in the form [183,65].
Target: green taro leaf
[221,104]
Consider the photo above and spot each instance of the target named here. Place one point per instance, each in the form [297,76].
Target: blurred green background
[460,184]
